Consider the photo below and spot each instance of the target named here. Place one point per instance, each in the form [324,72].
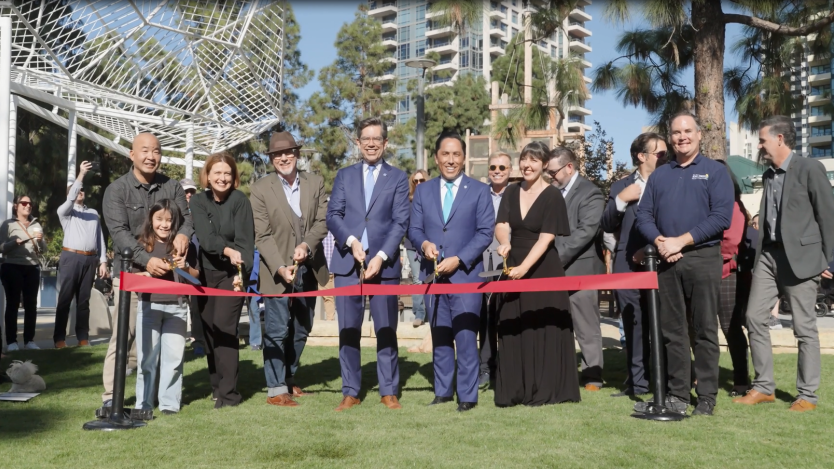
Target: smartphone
[95,167]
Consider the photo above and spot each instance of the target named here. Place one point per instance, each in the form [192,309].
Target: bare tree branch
[779,28]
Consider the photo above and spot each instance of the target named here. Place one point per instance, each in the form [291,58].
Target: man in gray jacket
[581,254]
[794,249]
[125,207]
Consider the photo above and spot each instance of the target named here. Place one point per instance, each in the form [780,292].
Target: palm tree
[696,37]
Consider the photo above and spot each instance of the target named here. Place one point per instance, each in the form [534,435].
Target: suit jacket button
[444,230]
[367,219]
[441,247]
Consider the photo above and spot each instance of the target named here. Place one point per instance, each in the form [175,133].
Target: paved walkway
[327,332]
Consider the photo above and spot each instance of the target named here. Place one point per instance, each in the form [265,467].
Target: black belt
[773,245]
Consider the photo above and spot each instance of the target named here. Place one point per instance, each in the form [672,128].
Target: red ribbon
[638,281]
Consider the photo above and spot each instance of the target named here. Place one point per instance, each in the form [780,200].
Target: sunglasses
[493,167]
[24,203]
[553,174]
[659,154]
[419,181]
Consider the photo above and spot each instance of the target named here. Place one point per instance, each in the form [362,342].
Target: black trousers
[488,334]
[634,311]
[220,315]
[21,280]
[77,273]
[694,280]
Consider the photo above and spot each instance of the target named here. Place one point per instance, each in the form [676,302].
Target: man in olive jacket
[289,208]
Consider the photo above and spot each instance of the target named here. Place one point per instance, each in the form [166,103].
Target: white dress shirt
[365,169]
[455,187]
[638,179]
[570,184]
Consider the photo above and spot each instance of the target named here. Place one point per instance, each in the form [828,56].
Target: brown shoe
[801,405]
[297,392]
[347,403]
[83,343]
[591,387]
[391,402]
[61,344]
[282,400]
[754,397]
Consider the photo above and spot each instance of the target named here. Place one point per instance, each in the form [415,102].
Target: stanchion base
[660,414]
[113,424]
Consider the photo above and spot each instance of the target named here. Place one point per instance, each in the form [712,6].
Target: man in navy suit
[453,222]
[647,152]
[368,216]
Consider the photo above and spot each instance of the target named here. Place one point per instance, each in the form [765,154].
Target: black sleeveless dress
[536,353]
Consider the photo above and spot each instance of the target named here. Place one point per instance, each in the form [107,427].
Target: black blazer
[622,224]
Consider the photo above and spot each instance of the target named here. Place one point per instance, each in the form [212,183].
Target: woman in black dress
[536,356]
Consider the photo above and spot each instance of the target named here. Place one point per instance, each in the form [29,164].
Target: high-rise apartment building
[743,142]
[411,30]
[811,79]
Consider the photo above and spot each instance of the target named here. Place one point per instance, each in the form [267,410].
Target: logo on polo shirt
[703,177]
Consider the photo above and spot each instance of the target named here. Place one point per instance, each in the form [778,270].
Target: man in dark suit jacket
[368,215]
[647,151]
[453,222]
[581,254]
[794,249]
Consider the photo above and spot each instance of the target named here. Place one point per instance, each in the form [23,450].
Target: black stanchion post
[657,409]
[117,419]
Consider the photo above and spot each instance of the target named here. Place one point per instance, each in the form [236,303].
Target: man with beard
[289,210]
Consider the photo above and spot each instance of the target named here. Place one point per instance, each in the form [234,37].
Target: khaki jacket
[274,233]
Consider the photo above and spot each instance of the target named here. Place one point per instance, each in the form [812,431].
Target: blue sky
[320,22]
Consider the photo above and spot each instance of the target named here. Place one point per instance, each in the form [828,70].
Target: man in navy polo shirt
[686,206]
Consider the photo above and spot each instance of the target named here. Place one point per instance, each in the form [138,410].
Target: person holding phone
[83,253]
[21,243]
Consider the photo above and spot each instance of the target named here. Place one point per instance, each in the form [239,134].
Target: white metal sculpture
[200,75]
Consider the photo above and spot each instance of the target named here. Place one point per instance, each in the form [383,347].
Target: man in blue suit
[368,216]
[453,222]
[647,152]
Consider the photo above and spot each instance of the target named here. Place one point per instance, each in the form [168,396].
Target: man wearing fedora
[289,208]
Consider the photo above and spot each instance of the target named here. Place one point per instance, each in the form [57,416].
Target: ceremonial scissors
[188,277]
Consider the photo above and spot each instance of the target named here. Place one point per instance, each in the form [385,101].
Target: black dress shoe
[441,400]
[484,379]
[464,406]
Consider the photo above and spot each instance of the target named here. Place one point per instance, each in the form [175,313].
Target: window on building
[514,17]
[421,12]
[830,175]
[820,90]
[464,42]
[420,48]
[818,111]
[464,59]
[404,104]
[420,30]
[515,3]
[820,152]
[405,34]
[405,51]
[390,19]
[404,16]
[817,69]
[820,131]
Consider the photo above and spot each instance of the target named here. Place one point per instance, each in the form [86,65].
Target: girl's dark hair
[147,237]
[536,150]
[17,201]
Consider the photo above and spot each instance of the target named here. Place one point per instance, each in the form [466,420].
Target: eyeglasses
[492,167]
[659,154]
[367,140]
[419,181]
[25,203]
[553,174]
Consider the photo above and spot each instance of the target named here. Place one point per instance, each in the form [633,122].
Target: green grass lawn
[596,433]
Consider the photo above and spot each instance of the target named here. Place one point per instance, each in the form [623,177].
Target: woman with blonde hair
[224,226]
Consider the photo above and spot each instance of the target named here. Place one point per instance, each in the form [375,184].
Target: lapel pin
[465,187]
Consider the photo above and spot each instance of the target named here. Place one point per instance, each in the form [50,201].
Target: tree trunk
[707,18]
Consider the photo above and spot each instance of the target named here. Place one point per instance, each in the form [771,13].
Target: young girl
[161,320]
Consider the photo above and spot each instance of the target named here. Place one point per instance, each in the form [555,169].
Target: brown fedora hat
[280,141]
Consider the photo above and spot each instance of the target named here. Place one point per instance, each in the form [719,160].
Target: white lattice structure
[200,75]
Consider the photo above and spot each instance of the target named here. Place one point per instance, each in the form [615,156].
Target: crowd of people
[717,269]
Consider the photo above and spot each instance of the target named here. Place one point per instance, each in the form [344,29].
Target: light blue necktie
[448,200]
[369,191]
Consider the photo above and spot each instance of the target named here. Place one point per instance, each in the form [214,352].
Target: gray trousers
[773,275]
[584,310]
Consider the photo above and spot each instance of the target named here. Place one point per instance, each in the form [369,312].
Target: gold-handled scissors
[240,275]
